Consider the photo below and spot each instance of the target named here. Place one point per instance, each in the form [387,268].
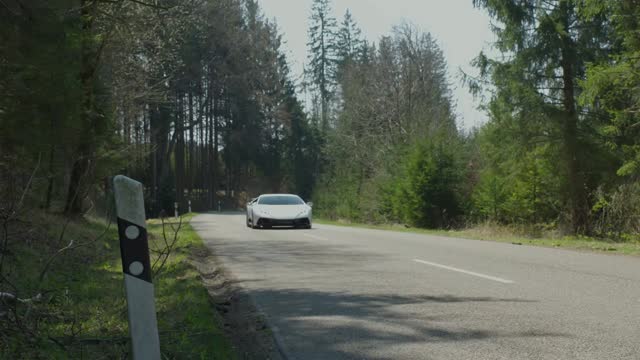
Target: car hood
[281,211]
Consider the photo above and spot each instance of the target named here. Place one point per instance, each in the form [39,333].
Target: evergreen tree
[349,45]
[547,46]
[322,57]
[612,84]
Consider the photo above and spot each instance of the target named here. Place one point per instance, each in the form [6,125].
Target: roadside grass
[82,313]
[492,232]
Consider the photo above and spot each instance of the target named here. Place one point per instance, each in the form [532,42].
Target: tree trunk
[76,192]
[153,158]
[575,177]
[78,182]
[206,154]
[214,160]
[179,153]
[51,178]
[191,156]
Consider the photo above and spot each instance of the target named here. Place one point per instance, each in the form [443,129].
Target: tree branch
[154,6]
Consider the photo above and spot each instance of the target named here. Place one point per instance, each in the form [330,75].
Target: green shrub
[426,193]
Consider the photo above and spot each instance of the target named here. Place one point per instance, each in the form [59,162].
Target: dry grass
[521,235]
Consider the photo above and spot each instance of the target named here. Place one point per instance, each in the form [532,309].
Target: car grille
[280,222]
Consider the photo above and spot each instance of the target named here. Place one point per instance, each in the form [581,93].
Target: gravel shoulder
[244,325]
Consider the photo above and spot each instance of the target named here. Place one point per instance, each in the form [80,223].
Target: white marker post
[134,248]
[189,206]
[175,208]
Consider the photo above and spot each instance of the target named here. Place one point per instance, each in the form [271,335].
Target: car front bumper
[299,222]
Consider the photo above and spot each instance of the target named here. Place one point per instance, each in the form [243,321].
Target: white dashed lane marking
[450,268]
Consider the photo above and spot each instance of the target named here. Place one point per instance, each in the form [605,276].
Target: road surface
[346,293]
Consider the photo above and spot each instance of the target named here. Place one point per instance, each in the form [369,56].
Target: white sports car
[273,210]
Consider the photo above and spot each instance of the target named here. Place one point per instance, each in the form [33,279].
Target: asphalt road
[346,293]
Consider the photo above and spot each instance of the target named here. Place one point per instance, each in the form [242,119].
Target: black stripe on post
[134,247]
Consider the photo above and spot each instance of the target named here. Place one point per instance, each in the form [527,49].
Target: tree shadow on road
[341,325]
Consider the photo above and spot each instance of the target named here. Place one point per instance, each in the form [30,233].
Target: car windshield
[280,200]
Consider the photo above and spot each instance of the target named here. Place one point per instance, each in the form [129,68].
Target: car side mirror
[310,203]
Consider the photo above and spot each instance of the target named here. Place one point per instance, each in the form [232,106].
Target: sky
[461,30]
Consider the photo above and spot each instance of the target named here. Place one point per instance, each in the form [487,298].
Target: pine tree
[546,45]
[612,84]
[349,44]
[322,56]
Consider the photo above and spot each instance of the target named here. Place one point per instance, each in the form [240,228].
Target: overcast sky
[461,30]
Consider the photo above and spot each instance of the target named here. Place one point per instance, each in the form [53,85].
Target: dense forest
[194,99]
[197,101]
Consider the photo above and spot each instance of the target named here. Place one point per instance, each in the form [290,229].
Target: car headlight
[262,213]
[304,213]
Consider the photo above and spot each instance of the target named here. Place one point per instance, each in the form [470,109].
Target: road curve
[345,293]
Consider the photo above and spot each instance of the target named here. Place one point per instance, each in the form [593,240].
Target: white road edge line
[315,237]
[500,280]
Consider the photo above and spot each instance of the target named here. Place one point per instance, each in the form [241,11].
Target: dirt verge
[244,325]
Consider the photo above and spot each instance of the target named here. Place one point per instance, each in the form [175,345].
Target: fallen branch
[9,298]
[94,341]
